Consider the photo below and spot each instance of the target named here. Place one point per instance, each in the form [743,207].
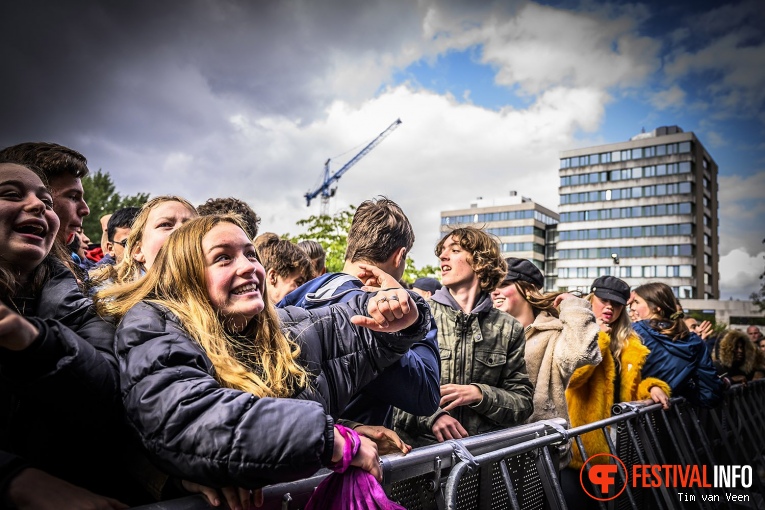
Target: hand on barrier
[35,489]
[365,457]
[658,396]
[236,497]
[455,395]
[446,427]
[387,440]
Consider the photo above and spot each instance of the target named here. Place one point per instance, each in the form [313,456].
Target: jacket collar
[444,297]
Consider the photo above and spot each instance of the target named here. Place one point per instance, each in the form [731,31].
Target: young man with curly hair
[484,382]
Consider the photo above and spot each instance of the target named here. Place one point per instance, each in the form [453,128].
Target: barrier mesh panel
[468,492]
[414,493]
[526,482]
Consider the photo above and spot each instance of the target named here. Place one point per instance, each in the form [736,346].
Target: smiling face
[161,222]
[605,310]
[456,270]
[234,278]
[69,205]
[28,224]
[507,298]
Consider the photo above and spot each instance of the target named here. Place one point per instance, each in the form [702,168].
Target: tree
[758,298]
[102,199]
[332,233]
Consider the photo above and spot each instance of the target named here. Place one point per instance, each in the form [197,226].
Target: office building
[643,210]
[523,227]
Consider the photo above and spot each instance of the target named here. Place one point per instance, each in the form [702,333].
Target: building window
[605,157]
[616,156]
[626,155]
[684,147]
[649,152]
[637,153]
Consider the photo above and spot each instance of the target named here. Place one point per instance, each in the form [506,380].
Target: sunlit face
[456,271]
[280,286]
[507,298]
[692,324]
[84,244]
[605,310]
[234,278]
[162,221]
[640,308]
[762,345]
[104,232]
[28,224]
[754,333]
[69,204]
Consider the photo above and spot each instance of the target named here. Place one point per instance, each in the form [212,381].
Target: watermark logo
[603,476]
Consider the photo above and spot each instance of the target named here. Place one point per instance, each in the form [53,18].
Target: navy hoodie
[685,365]
[412,384]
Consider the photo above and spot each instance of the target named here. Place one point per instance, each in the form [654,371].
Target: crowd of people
[187,353]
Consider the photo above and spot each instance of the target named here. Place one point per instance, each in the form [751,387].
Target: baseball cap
[522,269]
[611,288]
[426,283]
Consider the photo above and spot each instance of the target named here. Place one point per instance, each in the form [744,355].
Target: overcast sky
[249,98]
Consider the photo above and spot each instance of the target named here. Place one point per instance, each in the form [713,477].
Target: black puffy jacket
[60,409]
[195,429]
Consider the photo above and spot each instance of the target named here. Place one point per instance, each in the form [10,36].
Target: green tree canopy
[102,198]
[332,233]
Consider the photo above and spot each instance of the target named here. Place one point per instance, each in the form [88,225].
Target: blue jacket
[411,384]
[683,364]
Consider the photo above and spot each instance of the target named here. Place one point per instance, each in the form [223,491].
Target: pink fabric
[350,488]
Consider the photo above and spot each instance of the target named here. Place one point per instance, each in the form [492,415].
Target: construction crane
[326,190]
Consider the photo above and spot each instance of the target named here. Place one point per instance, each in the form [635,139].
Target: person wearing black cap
[557,342]
[593,390]
[426,286]
[677,356]
[484,382]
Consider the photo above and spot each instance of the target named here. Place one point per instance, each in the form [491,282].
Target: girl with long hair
[619,377]
[678,356]
[561,336]
[60,417]
[205,361]
[158,218]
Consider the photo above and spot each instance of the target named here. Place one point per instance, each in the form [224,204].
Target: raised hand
[389,311]
[16,333]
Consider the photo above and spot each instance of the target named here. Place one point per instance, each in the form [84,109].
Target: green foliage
[329,231]
[102,199]
[332,233]
[412,273]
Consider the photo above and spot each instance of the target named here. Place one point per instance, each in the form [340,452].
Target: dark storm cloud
[120,68]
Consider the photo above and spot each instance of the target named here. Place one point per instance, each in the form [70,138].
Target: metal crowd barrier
[517,468]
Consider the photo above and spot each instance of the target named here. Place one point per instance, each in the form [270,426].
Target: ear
[399,256]
[271,275]
[110,248]
[138,255]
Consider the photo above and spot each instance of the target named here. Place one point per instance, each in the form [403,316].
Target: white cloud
[673,97]
[740,273]
[741,208]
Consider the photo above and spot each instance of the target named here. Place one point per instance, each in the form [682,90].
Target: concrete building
[524,228]
[643,210]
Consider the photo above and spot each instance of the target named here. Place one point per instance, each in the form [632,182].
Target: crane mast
[326,190]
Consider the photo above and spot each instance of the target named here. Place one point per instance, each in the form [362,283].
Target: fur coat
[590,392]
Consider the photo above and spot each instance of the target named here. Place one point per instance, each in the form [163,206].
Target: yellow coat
[590,394]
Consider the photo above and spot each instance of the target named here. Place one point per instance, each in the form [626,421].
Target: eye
[252,255]
[222,258]
[11,194]
[48,202]
[165,224]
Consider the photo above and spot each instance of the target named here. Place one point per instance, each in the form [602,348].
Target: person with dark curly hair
[232,206]
[737,359]
[484,382]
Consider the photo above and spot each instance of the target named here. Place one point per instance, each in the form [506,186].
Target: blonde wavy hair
[130,269]
[621,332]
[260,359]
